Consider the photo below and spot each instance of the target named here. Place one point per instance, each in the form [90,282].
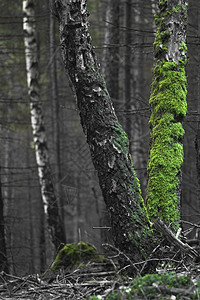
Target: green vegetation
[154,286]
[169,107]
[72,255]
[121,141]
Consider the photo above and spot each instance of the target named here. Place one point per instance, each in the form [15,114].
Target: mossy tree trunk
[108,142]
[168,108]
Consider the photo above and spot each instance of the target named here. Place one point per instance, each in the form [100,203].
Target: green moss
[121,140]
[72,255]
[168,107]
[168,104]
[147,287]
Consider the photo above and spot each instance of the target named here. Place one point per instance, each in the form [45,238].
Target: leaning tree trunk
[39,135]
[108,142]
[168,107]
[197,139]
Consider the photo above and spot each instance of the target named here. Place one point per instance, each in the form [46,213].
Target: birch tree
[39,135]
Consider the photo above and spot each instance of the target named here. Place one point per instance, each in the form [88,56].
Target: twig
[184,247]
[123,254]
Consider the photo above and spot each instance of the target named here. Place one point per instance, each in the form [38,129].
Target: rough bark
[109,145]
[39,135]
[168,107]
[197,139]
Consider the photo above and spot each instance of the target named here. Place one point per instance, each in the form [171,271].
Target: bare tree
[39,135]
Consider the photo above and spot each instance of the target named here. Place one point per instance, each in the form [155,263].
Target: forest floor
[102,281]
[175,264]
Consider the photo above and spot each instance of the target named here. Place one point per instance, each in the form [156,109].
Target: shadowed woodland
[54,186]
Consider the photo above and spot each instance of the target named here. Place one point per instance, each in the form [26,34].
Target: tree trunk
[56,111]
[138,129]
[3,257]
[127,67]
[39,135]
[110,65]
[197,142]
[108,142]
[168,107]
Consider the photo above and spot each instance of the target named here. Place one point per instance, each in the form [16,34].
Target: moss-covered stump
[75,254]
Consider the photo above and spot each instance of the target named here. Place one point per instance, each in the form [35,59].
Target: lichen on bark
[168,108]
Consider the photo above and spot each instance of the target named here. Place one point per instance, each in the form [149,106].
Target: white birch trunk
[39,135]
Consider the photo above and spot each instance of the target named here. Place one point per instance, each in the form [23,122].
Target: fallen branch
[184,247]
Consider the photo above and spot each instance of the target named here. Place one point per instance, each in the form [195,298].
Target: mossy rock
[75,254]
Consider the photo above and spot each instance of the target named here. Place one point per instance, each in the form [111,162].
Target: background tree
[50,203]
[111,56]
[3,256]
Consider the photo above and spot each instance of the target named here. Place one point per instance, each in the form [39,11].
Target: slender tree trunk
[138,149]
[197,142]
[30,209]
[8,191]
[3,257]
[127,67]
[108,142]
[168,106]
[56,111]
[110,65]
[39,135]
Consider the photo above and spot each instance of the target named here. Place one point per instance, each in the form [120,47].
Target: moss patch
[72,255]
[168,107]
[168,103]
[151,286]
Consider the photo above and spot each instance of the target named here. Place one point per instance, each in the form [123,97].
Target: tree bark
[39,135]
[168,108]
[3,257]
[197,139]
[109,145]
